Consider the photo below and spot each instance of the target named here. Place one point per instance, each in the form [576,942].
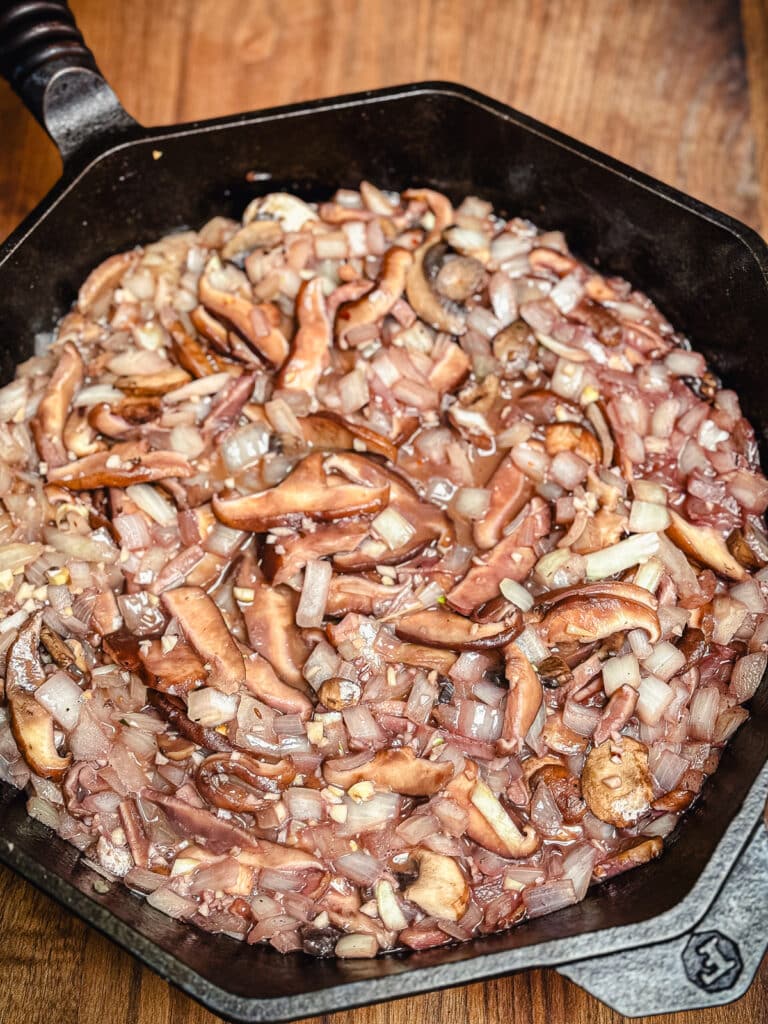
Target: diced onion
[624,555]
[360,867]
[151,502]
[621,671]
[314,593]
[655,697]
[208,706]
[303,804]
[551,896]
[61,695]
[517,594]
[704,707]
[578,866]
[665,661]
[747,674]
[471,502]
[393,528]
[648,517]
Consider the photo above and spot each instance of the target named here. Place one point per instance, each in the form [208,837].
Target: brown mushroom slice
[523,700]
[489,825]
[441,889]
[460,277]
[176,671]
[421,656]
[245,316]
[510,490]
[449,369]
[636,855]
[47,425]
[705,545]
[585,619]
[311,345]
[175,713]
[438,627]
[149,385]
[400,771]
[31,723]
[603,588]
[119,467]
[618,711]
[550,259]
[61,653]
[307,492]
[257,234]
[204,627]
[509,559]
[361,595]
[240,782]
[288,556]
[565,789]
[191,355]
[425,302]
[78,435]
[616,781]
[379,301]
[573,437]
[264,683]
[330,431]
[103,280]
[270,620]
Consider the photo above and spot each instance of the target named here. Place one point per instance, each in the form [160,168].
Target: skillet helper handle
[710,965]
[44,58]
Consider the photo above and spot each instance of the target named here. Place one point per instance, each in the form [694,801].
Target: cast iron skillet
[687,930]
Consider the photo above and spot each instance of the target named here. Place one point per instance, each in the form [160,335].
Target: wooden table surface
[678,88]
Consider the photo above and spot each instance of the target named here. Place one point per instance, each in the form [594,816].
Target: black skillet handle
[44,58]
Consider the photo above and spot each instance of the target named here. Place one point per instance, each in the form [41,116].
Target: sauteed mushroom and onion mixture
[373,574]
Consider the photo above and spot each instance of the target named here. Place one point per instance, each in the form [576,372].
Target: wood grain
[662,85]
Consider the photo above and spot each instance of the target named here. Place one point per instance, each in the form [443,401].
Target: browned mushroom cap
[149,385]
[94,291]
[338,693]
[427,304]
[508,559]
[245,316]
[643,852]
[175,713]
[123,465]
[747,548]
[239,782]
[282,561]
[176,671]
[400,771]
[31,723]
[221,836]
[602,588]
[377,303]
[258,234]
[204,627]
[123,648]
[331,431]
[565,789]
[311,345]
[706,545]
[489,825]
[616,781]
[78,435]
[47,425]
[270,619]
[460,277]
[307,492]
[510,490]
[438,627]
[264,683]
[441,889]
[585,619]
[523,700]
[198,360]
[618,711]
[449,369]
[572,437]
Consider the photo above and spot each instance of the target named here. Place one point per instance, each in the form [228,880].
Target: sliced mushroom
[264,683]
[205,629]
[135,465]
[602,588]
[706,545]
[175,671]
[449,369]
[585,619]
[425,301]
[195,358]
[47,425]
[441,889]
[31,723]
[61,653]
[78,435]
[489,825]
[379,301]
[559,737]
[508,560]
[437,627]
[338,693]
[460,277]
[420,656]
[101,282]
[311,345]
[542,258]
[239,782]
[400,771]
[288,210]
[565,789]
[270,619]
[284,560]
[175,713]
[244,315]
[256,234]
[330,431]
[572,437]
[554,672]
[307,492]
[616,781]
[636,855]
[618,711]
[361,594]
[510,490]
[514,346]
[523,700]
[675,801]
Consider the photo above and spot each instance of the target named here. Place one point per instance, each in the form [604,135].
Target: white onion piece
[303,804]
[314,593]
[200,388]
[208,706]
[516,594]
[648,575]
[747,674]
[360,867]
[169,902]
[568,470]
[703,708]
[655,697]
[61,695]
[471,502]
[356,946]
[728,616]
[151,502]
[665,661]
[393,528]
[581,718]
[370,815]
[621,671]
[648,517]
[667,768]
[532,646]
[187,440]
[95,395]
[551,896]
[624,555]
[43,811]
[578,866]
[682,363]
